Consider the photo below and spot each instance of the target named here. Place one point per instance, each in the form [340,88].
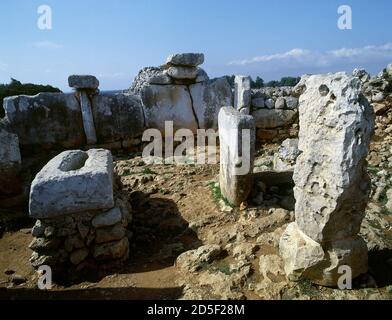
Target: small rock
[108,218]
[280,103]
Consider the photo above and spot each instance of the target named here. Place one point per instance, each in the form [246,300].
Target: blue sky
[114,39]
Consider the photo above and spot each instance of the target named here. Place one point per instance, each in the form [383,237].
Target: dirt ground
[177,208]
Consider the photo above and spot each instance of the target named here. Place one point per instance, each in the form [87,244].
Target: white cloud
[294,53]
[47,45]
[328,58]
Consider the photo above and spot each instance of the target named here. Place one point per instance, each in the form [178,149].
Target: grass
[307,288]
[217,193]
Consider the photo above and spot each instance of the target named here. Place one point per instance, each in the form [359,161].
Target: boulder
[117,117]
[280,103]
[258,103]
[269,103]
[242,94]
[288,152]
[45,120]
[269,119]
[201,76]
[237,136]
[186,59]
[73,181]
[168,103]
[112,250]
[331,182]
[208,98]
[183,73]
[108,218]
[81,82]
[291,103]
[147,76]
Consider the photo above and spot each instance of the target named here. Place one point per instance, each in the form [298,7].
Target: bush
[15,88]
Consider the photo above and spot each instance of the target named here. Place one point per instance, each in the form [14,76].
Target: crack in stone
[193,107]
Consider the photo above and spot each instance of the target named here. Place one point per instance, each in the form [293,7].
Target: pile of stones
[180,69]
[80,222]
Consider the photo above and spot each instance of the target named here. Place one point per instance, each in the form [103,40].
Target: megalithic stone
[88,119]
[86,84]
[331,181]
[237,136]
[242,94]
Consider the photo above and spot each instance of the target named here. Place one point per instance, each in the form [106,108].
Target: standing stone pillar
[331,181]
[237,136]
[85,85]
[242,94]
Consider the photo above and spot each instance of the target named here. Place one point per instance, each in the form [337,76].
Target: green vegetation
[15,88]
[217,193]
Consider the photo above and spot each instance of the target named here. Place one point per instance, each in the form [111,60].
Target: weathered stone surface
[83,82]
[108,218]
[269,103]
[208,97]
[274,118]
[288,152]
[10,161]
[112,250]
[45,120]
[332,185]
[242,94]
[147,76]
[306,258]
[116,232]
[73,181]
[201,76]
[168,103]
[186,59]
[291,103]
[331,181]
[117,117]
[280,103]
[183,73]
[88,120]
[258,103]
[237,135]
[192,261]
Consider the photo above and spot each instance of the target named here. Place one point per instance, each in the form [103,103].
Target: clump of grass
[307,288]
[126,173]
[217,193]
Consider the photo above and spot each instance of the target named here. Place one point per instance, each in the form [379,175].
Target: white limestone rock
[242,93]
[331,181]
[186,59]
[237,136]
[108,218]
[284,159]
[208,98]
[168,103]
[74,181]
[183,73]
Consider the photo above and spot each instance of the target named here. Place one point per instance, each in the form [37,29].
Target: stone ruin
[331,181]
[82,220]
